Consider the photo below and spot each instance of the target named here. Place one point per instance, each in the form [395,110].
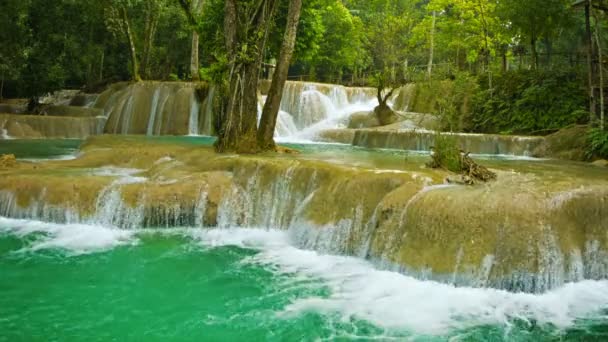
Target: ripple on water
[329,297]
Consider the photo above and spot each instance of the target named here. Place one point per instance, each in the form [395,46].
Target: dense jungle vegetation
[520,66]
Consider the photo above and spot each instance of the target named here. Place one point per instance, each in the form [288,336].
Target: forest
[513,67]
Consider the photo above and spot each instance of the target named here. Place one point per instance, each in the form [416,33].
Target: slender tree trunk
[432,46]
[600,67]
[101,65]
[534,52]
[134,63]
[151,24]
[194,55]
[485,37]
[2,87]
[589,43]
[549,47]
[194,64]
[273,102]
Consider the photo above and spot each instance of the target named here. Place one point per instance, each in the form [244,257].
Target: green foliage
[530,102]
[446,153]
[597,143]
[216,72]
[453,102]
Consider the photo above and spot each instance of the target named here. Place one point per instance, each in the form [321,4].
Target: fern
[597,143]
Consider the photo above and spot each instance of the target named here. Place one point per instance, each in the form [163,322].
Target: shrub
[597,143]
[530,102]
[446,153]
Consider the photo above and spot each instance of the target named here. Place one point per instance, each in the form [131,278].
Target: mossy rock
[569,144]
[363,120]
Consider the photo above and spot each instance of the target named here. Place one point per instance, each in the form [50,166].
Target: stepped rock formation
[535,228]
[158,108]
[36,126]
[422,140]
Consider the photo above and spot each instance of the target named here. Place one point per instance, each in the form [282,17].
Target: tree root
[470,172]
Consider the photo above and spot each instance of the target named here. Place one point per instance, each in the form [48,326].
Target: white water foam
[4,132]
[75,238]
[395,301]
[125,175]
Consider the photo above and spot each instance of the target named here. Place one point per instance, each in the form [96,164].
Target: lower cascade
[520,233]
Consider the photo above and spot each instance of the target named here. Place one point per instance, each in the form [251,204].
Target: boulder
[385,115]
[601,163]
[7,161]
[363,120]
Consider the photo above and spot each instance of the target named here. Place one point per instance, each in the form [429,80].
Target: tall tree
[152,12]
[118,21]
[535,19]
[193,9]
[247,24]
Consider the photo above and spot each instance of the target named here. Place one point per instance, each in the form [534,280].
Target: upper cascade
[314,107]
[158,108]
[181,108]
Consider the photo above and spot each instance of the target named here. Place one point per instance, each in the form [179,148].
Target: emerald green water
[90,283]
[39,148]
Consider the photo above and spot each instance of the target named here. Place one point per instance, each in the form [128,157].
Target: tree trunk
[534,52]
[432,46]
[245,29]
[2,88]
[589,43]
[151,23]
[275,94]
[194,55]
[485,36]
[600,67]
[101,65]
[194,65]
[134,63]
[549,46]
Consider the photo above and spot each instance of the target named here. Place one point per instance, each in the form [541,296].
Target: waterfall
[466,237]
[314,107]
[422,140]
[207,127]
[194,112]
[156,108]
[4,131]
[153,110]
[172,108]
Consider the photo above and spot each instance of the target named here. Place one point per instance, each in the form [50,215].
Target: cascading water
[282,247]
[193,126]
[316,107]
[157,108]
[153,112]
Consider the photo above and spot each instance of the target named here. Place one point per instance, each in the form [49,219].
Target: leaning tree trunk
[275,94]
[243,30]
[132,49]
